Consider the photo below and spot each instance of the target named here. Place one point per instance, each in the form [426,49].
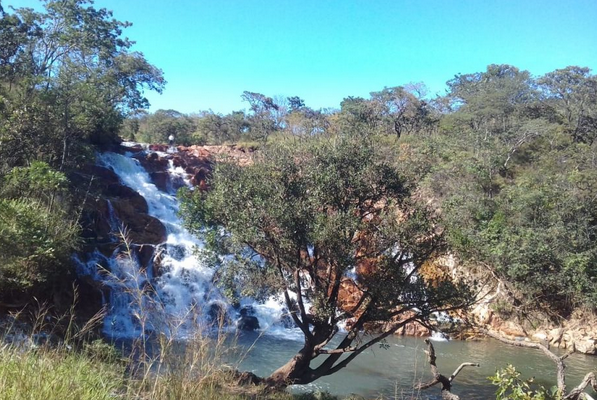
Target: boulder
[586,346]
[158,147]
[217,314]
[247,323]
[144,254]
[161,179]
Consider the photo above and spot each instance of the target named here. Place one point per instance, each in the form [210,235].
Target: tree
[263,120]
[359,115]
[487,100]
[37,232]
[402,109]
[334,229]
[163,123]
[70,71]
[573,91]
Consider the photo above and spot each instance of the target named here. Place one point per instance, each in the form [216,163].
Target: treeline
[67,79]
[509,159]
[265,118]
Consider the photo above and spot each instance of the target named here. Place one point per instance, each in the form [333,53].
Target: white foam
[183,292]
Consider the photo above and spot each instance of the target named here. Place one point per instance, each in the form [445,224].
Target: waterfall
[180,298]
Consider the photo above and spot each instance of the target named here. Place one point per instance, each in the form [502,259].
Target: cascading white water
[182,298]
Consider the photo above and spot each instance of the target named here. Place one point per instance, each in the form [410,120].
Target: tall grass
[57,374]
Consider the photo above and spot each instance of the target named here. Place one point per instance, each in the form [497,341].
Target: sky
[325,50]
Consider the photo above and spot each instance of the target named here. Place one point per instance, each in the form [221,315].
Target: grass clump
[57,374]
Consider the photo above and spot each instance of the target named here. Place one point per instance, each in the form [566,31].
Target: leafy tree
[359,115]
[403,111]
[295,103]
[487,101]
[71,73]
[307,122]
[263,119]
[573,92]
[334,228]
[157,127]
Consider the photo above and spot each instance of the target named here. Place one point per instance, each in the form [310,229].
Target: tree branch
[439,378]
[575,393]
[559,361]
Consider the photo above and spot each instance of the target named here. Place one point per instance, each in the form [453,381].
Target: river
[392,371]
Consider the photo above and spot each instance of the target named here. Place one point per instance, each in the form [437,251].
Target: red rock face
[113,202]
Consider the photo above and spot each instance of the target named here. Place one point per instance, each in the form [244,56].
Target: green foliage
[38,181]
[157,127]
[35,247]
[512,387]
[37,232]
[302,217]
[66,79]
[513,180]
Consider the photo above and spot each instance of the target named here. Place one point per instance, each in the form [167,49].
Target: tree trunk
[295,371]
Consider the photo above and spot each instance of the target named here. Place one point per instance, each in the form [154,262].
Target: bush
[512,387]
[35,246]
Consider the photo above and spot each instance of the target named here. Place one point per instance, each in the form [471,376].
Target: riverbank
[97,371]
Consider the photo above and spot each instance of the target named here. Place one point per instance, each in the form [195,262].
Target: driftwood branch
[559,361]
[439,378]
[575,394]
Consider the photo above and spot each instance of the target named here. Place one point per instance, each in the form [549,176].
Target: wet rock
[177,252]
[286,321]
[157,268]
[247,322]
[217,314]
[91,294]
[144,254]
[133,149]
[158,147]
[152,162]
[161,179]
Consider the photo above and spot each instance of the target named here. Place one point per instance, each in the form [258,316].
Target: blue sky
[211,51]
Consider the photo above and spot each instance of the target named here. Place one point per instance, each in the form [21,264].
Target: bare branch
[576,393]
[337,351]
[466,364]
[439,378]
[561,376]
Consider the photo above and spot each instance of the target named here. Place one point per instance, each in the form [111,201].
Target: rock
[158,147]
[287,321]
[217,314]
[247,323]
[137,148]
[144,254]
[586,346]
[161,179]
[539,336]
[152,162]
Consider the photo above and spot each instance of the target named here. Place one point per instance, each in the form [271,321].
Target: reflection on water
[393,372]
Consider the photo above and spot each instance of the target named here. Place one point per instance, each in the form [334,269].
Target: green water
[391,372]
